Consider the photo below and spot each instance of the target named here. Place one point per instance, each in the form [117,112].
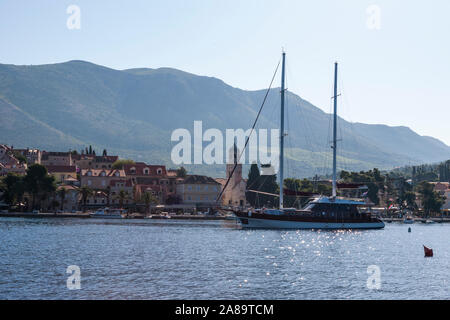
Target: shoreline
[175,217]
[88,216]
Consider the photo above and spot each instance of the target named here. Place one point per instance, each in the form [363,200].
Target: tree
[105,153]
[148,199]
[20,157]
[268,184]
[253,179]
[122,196]
[372,179]
[38,183]
[119,164]
[13,188]
[108,195]
[410,199]
[431,200]
[62,195]
[181,172]
[85,192]
[298,185]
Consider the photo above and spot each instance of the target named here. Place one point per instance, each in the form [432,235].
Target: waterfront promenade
[131,216]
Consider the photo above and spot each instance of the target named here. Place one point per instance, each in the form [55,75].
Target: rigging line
[251,131]
[303,123]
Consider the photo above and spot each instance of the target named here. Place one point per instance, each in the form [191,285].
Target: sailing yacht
[321,212]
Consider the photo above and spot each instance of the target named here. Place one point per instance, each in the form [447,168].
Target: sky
[394,56]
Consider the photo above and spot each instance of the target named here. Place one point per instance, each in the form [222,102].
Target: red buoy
[428,251]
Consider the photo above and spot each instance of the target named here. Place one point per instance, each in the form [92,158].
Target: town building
[9,163]
[145,176]
[97,199]
[104,162]
[443,189]
[56,158]
[198,190]
[71,199]
[118,185]
[62,173]
[100,178]
[33,156]
[83,161]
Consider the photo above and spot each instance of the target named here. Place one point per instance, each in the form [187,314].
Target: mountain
[133,112]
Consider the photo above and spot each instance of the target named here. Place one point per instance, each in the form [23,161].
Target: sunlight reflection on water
[139,259]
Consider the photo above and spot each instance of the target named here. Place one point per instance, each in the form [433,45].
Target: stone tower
[235,193]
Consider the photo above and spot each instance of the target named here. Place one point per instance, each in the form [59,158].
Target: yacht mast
[282,132]
[335,129]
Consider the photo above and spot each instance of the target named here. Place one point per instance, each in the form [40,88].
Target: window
[103,183]
[206,189]
[146,171]
[103,173]
[133,170]
[89,173]
[159,171]
[89,182]
[189,187]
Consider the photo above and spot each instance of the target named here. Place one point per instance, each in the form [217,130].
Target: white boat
[108,213]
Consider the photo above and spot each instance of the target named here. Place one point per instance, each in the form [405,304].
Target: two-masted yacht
[321,212]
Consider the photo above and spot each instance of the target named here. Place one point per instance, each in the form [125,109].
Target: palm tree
[122,196]
[62,195]
[108,195]
[85,193]
[148,199]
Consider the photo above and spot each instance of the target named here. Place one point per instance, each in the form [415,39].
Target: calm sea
[168,259]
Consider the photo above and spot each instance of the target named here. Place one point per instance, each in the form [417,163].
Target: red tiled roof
[197,179]
[140,166]
[108,172]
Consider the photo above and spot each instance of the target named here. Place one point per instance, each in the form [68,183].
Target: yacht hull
[258,223]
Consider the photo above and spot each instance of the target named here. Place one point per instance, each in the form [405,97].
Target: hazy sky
[394,70]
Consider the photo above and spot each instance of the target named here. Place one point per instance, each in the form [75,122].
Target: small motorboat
[429,221]
[408,220]
[108,213]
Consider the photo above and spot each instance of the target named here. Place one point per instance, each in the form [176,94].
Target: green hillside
[133,112]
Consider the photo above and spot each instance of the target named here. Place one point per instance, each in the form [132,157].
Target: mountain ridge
[132,112]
